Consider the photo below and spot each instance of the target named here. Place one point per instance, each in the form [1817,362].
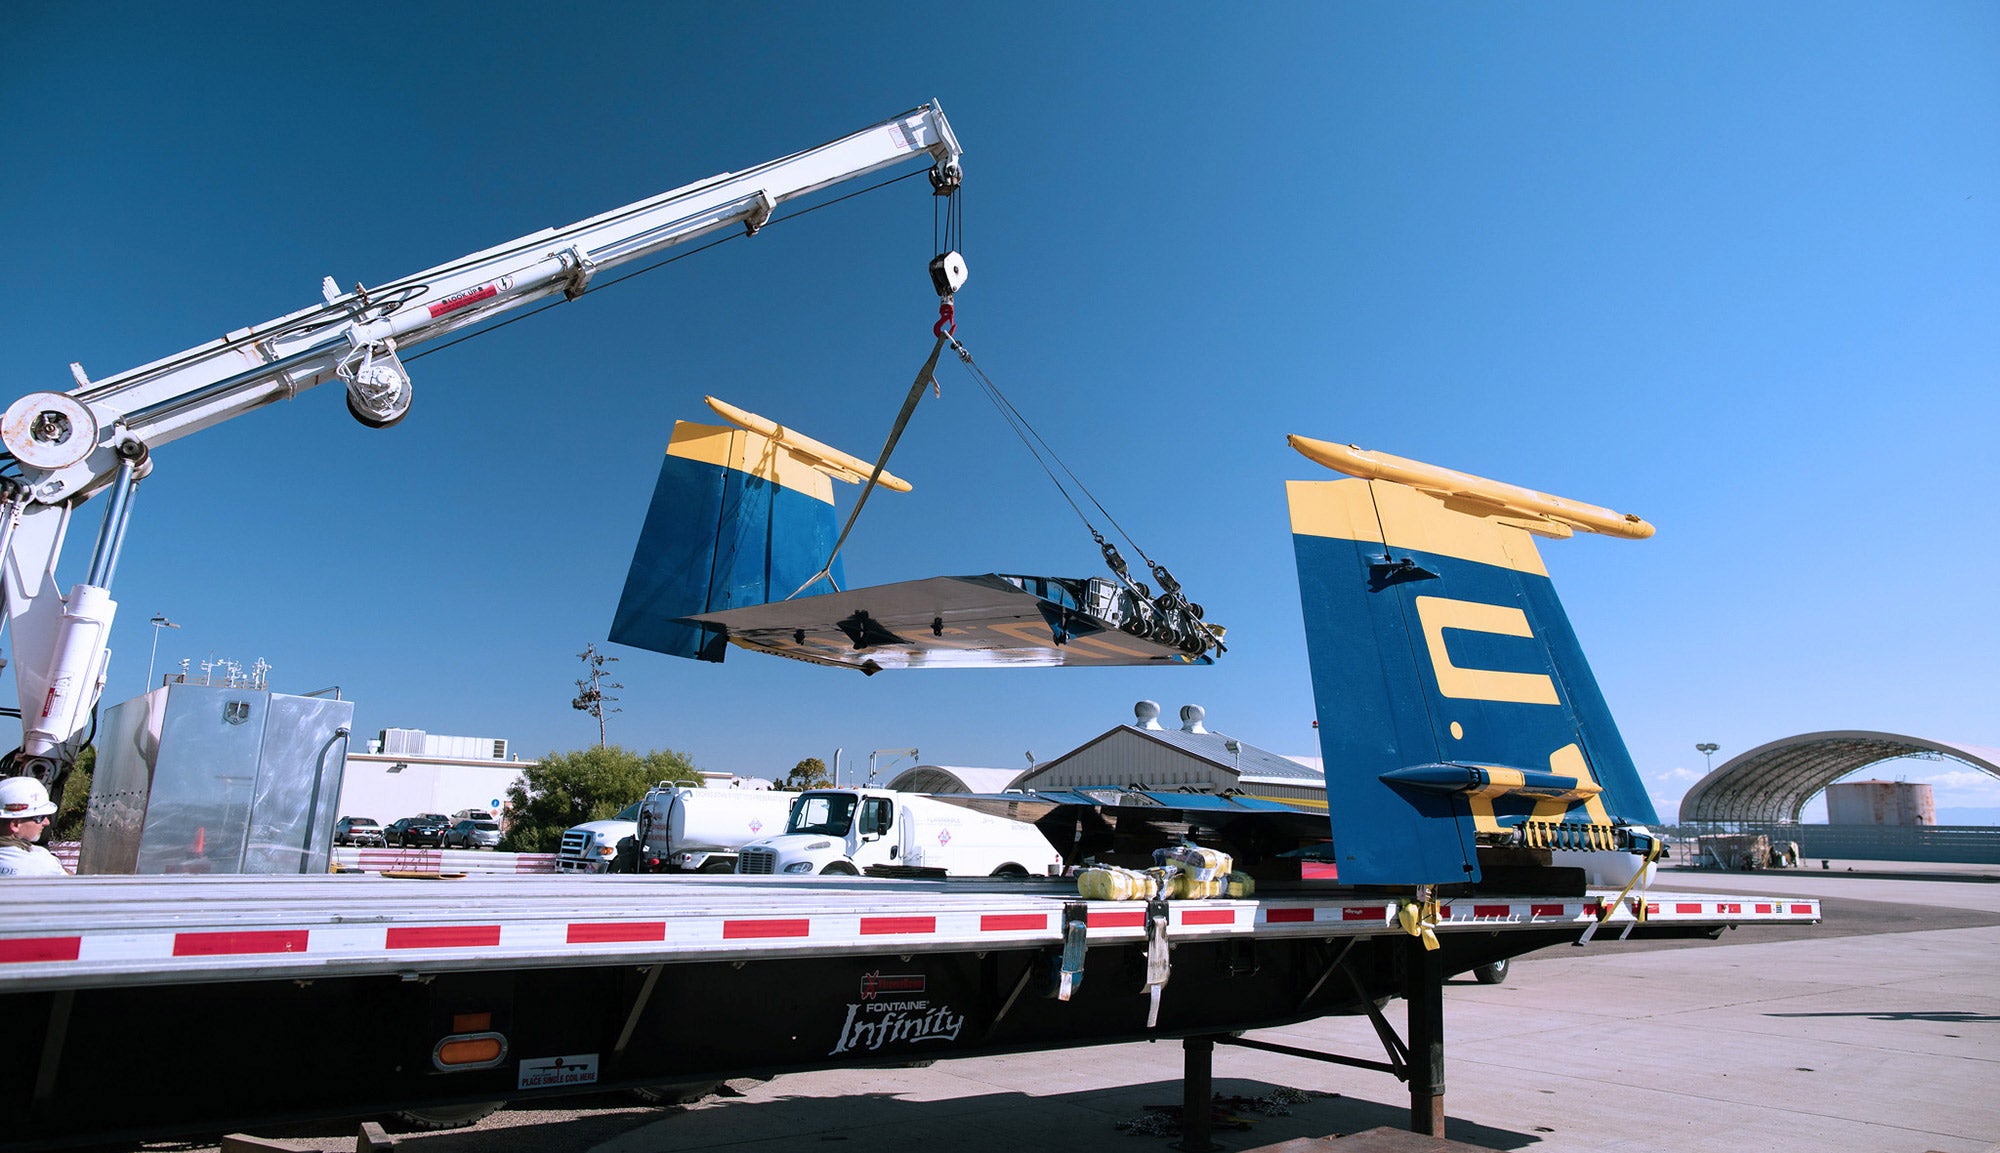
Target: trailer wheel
[446,1116]
[838,869]
[718,866]
[1491,974]
[1011,872]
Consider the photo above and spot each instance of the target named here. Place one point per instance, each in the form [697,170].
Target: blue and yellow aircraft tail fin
[742,514]
[1456,710]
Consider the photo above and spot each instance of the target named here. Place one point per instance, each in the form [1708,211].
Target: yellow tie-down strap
[1419,919]
[1606,908]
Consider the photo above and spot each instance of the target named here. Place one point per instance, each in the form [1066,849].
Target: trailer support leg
[1424,991]
[1197,1095]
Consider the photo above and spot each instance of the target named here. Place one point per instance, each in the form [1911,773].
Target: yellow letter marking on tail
[1440,613]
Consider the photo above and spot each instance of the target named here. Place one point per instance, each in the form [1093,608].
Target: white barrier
[442,861]
[400,860]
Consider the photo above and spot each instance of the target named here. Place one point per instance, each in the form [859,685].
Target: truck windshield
[829,814]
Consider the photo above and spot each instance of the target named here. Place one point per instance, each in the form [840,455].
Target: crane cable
[1038,447]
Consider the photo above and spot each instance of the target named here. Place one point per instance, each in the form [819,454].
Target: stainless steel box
[211,779]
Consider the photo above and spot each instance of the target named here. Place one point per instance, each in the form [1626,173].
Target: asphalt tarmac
[1875,1032]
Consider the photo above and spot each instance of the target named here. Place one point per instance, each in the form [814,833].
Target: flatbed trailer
[145,1007]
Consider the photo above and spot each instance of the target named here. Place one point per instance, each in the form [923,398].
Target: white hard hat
[22,797]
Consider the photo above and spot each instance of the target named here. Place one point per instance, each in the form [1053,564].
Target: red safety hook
[946,325]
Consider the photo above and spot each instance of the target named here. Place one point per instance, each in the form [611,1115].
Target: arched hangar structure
[1771,783]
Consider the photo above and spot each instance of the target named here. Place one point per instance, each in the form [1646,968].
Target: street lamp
[160,621]
[1707,750]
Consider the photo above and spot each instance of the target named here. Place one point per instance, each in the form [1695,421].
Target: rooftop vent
[1148,713]
[1191,716]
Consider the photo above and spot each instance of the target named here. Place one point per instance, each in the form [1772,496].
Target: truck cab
[853,831]
[592,847]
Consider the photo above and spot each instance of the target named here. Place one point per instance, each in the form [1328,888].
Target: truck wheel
[1011,873]
[838,869]
[447,1116]
[1491,974]
[718,867]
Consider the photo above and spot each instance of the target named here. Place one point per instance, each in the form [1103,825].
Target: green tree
[591,784]
[807,774]
[68,824]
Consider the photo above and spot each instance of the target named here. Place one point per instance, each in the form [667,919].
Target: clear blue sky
[1728,267]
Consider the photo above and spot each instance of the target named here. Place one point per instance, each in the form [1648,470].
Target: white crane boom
[67,446]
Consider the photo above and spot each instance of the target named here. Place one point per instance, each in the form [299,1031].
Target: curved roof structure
[1772,782]
[952,779]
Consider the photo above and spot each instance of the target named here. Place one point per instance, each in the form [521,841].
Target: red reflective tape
[1688,907]
[1491,910]
[444,937]
[1766,909]
[1732,907]
[1287,916]
[599,932]
[793,927]
[1806,909]
[1132,920]
[40,949]
[1209,917]
[1318,871]
[1012,922]
[1545,910]
[1350,913]
[877,926]
[469,296]
[1652,907]
[226,944]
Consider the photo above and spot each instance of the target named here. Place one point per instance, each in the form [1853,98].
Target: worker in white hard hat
[25,813]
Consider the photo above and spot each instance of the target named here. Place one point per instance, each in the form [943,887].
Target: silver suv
[473,833]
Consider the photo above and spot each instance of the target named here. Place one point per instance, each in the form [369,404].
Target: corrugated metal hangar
[1147,755]
[1771,783]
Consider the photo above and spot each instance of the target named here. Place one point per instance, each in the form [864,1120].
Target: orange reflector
[471,1022]
[470,1051]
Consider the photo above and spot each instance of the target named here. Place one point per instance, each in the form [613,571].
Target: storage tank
[725,818]
[1905,804]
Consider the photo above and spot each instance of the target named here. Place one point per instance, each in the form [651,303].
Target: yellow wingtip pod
[1540,512]
[844,466]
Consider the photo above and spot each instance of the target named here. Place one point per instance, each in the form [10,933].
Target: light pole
[1707,750]
[160,621]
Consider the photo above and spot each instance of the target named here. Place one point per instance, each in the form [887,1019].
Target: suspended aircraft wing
[988,621]
[739,549]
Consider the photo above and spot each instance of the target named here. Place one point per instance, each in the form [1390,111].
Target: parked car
[361,831]
[424,829]
[473,833]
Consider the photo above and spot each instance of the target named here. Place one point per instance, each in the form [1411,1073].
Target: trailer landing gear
[1419,1061]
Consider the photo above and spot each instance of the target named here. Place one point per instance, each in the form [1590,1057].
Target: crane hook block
[947,273]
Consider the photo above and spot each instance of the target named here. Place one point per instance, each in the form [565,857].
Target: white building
[409,771]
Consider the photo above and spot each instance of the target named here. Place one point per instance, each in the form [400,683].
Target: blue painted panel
[1373,709]
[1382,708]
[717,538]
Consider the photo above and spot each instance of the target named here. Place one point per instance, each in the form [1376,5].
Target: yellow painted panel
[749,452]
[1440,613]
[1340,509]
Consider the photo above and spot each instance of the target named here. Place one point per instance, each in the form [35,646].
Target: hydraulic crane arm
[70,445]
